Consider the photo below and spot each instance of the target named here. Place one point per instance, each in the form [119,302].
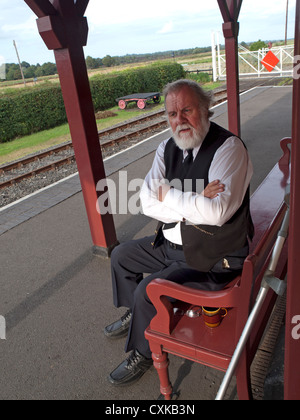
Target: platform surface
[56,296]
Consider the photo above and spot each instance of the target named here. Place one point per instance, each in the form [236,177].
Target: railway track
[108,139]
[122,135]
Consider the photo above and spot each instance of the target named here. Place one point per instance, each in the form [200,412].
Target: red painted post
[292,348]
[230,10]
[64,29]
[231,30]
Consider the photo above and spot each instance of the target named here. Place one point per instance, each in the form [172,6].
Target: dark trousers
[131,261]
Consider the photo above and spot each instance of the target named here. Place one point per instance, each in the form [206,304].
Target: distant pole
[219,54]
[15,45]
[214,56]
[286,21]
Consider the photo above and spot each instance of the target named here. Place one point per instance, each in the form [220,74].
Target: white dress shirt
[231,165]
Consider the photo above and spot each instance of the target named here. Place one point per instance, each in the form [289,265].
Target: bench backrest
[268,209]
[269,196]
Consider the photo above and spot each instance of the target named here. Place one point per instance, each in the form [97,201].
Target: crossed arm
[229,177]
[211,191]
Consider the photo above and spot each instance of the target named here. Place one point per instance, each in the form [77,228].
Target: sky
[122,27]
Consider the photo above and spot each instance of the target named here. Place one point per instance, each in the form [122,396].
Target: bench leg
[161,364]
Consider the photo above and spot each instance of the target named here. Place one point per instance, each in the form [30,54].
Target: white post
[214,56]
[219,55]
[2,68]
[2,328]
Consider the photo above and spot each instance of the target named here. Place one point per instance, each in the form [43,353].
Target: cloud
[265,9]
[120,27]
[26,27]
[167,28]
[120,12]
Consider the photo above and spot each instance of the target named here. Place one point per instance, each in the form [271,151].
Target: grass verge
[34,143]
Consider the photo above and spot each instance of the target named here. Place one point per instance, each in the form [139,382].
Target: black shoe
[119,328]
[131,370]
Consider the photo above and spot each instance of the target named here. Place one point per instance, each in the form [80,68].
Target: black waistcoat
[205,247]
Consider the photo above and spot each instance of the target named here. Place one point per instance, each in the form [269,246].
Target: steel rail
[105,145]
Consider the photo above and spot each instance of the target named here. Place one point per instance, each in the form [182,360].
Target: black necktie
[188,161]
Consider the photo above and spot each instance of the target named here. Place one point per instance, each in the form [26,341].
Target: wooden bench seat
[190,338]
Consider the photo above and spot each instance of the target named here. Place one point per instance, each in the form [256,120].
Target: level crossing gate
[251,62]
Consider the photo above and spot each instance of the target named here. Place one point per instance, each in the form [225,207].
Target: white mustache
[182,127]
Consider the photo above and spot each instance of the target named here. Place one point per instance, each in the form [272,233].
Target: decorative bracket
[61,23]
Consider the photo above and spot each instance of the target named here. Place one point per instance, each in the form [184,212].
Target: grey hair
[205,98]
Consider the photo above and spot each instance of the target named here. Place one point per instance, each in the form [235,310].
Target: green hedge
[30,112]
[40,109]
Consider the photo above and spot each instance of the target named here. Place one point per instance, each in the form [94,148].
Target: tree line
[48,69]
[109,61]
[13,71]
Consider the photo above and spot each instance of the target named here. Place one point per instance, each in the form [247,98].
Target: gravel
[33,184]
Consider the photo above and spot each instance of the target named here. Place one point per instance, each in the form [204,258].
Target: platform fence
[250,62]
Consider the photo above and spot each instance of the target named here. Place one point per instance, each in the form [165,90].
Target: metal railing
[250,62]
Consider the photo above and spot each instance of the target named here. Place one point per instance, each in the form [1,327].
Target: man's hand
[213,189]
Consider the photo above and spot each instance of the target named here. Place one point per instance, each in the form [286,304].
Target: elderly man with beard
[202,238]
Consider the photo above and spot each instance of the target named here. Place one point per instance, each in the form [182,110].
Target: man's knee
[122,252]
[118,256]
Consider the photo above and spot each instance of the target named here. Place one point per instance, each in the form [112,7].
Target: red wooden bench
[189,337]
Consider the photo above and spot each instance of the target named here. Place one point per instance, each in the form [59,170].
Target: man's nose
[181,119]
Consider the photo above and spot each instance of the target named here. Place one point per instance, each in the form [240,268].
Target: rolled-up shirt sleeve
[233,167]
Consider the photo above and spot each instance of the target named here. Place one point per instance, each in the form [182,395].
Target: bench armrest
[159,292]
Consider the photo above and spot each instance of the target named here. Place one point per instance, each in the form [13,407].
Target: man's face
[188,123]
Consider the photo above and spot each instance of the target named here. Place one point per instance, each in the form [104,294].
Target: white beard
[187,141]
